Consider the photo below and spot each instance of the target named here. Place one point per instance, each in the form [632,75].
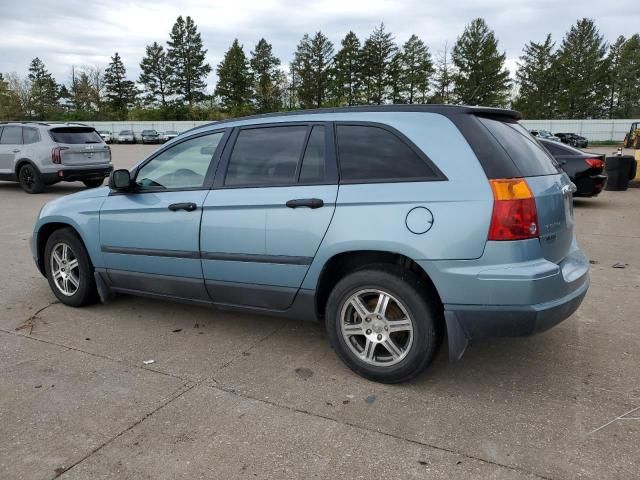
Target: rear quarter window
[75,135]
[368,153]
[527,154]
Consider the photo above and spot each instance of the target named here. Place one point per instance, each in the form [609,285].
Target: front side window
[370,153]
[266,156]
[11,136]
[183,165]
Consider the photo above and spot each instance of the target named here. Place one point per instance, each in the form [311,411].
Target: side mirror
[120,180]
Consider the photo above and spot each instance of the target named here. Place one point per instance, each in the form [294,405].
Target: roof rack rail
[28,122]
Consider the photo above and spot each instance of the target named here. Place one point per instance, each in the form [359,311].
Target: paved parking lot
[244,396]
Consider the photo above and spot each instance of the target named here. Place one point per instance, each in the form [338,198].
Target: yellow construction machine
[632,139]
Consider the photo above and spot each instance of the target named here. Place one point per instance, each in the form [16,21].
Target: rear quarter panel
[373,216]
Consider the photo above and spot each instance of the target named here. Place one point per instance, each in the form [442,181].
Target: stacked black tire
[620,170]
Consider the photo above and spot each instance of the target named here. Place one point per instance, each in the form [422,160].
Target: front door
[271,205]
[150,236]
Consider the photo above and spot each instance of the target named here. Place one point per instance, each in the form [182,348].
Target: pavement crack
[30,322]
[186,387]
[380,432]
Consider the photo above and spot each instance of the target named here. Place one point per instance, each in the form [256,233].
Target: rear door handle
[305,202]
[17,150]
[187,206]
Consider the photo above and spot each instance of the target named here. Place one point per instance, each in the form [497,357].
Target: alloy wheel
[65,269]
[376,327]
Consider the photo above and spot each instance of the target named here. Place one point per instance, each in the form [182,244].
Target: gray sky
[86,32]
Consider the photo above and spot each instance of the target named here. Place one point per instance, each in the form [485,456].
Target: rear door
[272,202]
[10,146]
[81,146]
[551,187]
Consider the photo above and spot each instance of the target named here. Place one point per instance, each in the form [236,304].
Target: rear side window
[526,153]
[11,136]
[370,153]
[557,149]
[30,135]
[266,156]
[75,135]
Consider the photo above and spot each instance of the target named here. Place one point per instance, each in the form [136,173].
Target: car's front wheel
[382,324]
[69,269]
[93,183]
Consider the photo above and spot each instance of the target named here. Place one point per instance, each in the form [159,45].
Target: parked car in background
[106,136]
[150,136]
[344,215]
[584,169]
[545,134]
[126,136]
[573,140]
[168,135]
[37,154]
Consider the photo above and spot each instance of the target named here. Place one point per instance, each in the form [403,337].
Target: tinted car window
[183,165]
[312,169]
[266,156]
[525,152]
[11,136]
[556,149]
[30,135]
[368,153]
[75,135]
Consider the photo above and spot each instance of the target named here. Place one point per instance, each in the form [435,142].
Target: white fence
[594,130]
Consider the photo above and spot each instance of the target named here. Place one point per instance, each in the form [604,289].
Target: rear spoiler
[497,113]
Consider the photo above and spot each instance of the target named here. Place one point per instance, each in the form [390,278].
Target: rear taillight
[56,155]
[594,162]
[514,210]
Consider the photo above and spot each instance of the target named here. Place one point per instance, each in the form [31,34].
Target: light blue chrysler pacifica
[392,225]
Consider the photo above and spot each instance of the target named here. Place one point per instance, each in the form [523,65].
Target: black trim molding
[226,257]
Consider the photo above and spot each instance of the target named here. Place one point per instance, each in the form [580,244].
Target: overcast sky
[86,32]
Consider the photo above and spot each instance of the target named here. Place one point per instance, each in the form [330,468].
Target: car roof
[445,110]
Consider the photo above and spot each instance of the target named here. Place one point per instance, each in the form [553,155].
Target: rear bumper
[507,293]
[70,174]
[590,186]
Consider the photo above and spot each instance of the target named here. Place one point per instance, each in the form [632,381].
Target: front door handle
[305,202]
[187,206]
[17,150]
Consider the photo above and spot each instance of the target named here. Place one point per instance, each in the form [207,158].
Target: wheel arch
[346,262]
[23,161]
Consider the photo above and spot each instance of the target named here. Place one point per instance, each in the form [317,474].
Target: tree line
[581,77]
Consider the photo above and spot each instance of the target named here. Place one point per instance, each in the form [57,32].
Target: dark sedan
[584,169]
[150,136]
[573,139]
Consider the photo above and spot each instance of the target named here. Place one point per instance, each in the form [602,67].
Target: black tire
[30,179]
[93,183]
[407,288]
[86,292]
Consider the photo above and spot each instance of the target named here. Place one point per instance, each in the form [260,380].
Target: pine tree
[582,72]
[4,99]
[630,78]
[537,80]
[234,81]
[44,90]
[480,77]
[186,59]
[416,68]
[378,52]
[443,78]
[312,62]
[347,72]
[120,92]
[267,78]
[614,75]
[155,75]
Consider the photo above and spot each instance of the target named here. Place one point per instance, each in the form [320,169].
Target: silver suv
[41,154]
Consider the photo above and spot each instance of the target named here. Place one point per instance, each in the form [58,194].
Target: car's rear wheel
[69,269]
[382,325]
[30,179]
[93,183]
